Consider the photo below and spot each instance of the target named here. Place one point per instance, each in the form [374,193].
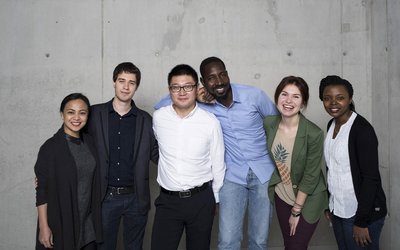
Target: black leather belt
[186,193]
[120,190]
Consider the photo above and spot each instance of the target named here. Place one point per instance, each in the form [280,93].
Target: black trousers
[195,215]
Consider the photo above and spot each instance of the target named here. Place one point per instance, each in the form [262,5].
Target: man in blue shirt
[240,110]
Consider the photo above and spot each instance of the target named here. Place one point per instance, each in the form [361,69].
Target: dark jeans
[343,229]
[195,215]
[124,206]
[304,230]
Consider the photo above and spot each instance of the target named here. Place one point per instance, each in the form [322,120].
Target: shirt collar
[235,96]
[75,140]
[187,116]
[132,111]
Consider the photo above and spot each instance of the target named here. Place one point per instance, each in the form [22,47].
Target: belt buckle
[119,188]
[185,194]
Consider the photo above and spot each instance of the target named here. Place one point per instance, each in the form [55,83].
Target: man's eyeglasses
[186,88]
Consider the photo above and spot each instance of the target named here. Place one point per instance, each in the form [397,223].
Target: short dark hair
[334,80]
[183,69]
[71,97]
[127,67]
[211,59]
[297,81]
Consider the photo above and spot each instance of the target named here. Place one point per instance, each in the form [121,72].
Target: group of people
[222,149]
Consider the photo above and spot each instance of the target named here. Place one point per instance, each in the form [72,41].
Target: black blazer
[145,149]
[364,163]
[55,169]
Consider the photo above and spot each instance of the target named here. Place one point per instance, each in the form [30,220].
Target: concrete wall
[50,48]
[385,86]
[380,100]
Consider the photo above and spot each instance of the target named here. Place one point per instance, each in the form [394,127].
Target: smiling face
[336,100]
[290,101]
[216,80]
[75,116]
[125,87]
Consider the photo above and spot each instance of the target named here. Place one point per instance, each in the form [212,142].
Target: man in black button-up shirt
[125,142]
[121,134]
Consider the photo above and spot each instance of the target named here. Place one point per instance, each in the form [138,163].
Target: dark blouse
[85,164]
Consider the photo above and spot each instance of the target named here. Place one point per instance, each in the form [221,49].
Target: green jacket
[307,160]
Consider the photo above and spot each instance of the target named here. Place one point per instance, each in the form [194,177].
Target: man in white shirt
[191,167]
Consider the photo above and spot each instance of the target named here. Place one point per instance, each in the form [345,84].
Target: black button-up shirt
[121,133]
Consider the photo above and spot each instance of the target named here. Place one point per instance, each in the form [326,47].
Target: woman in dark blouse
[67,192]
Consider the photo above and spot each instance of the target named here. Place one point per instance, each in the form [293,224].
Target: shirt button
[118,163]
[119,132]
[117,179]
[294,186]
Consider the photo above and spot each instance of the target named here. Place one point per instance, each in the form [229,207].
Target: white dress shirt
[191,149]
[342,201]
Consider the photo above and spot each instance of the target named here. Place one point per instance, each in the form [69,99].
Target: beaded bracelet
[297,205]
[294,212]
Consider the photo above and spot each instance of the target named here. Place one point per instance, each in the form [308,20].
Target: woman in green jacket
[297,186]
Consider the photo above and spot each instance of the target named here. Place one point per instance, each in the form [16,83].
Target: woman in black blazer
[357,203]
[67,192]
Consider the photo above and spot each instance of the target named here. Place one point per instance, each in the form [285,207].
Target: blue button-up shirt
[244,134]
